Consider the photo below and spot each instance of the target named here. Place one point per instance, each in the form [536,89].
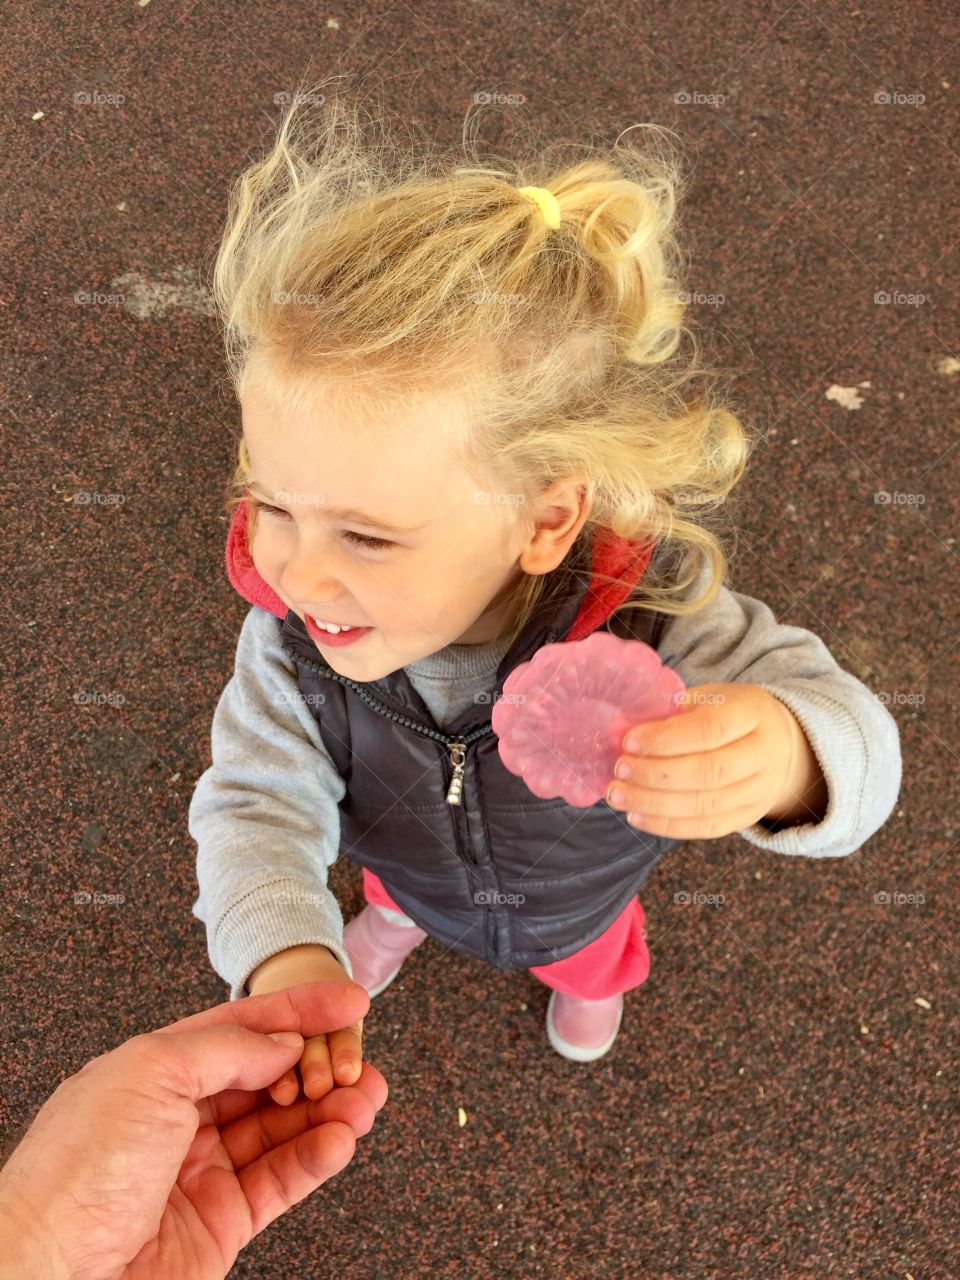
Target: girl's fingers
[711,828]
[694,805]
[346,1052]
[337,1050]
[286,1089]
[315,1069]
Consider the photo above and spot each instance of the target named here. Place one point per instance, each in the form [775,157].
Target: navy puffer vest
[502,875]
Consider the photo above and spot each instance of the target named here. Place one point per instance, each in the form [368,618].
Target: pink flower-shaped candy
[563,715]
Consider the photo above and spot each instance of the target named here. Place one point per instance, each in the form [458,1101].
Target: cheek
[271,548]
[262,550]
[404,598]
[269,552]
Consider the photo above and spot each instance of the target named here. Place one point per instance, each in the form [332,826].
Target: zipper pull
[457,755]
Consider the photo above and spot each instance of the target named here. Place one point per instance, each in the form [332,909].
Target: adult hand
[732,754]
[164,1157]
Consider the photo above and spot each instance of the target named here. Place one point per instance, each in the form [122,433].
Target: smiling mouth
[322,624]
[343,635]
[334,627]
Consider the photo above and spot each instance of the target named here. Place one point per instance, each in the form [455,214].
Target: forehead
[398,462]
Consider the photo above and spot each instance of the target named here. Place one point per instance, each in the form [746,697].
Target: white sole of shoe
[382,986]
[576,1052]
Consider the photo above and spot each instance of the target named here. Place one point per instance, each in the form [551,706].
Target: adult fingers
[253,1136]
[234,1104]
[312,1008]
[195,1064]
[289,1173]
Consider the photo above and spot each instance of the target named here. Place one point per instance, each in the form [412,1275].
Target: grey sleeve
[264,816]
[853,735]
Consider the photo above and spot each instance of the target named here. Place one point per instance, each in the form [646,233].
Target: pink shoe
[377,948]
[583,1029]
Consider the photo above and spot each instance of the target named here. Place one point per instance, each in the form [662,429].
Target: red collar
[618,564]
[241,570]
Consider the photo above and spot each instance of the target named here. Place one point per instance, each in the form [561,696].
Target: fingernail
[290,1039]
[618,796]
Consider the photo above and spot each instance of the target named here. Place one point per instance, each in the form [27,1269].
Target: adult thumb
[197,1064]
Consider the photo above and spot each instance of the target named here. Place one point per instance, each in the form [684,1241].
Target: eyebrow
[347,513]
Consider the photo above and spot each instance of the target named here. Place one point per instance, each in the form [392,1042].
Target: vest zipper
[456,742]
[458,754]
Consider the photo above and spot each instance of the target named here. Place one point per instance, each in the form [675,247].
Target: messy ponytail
[385,271]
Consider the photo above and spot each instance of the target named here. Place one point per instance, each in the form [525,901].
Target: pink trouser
[616,961]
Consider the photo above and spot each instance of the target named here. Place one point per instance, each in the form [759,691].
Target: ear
[559,515]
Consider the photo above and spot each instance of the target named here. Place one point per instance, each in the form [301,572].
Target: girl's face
[427,562]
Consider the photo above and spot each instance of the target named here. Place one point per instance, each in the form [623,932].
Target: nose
[303,578]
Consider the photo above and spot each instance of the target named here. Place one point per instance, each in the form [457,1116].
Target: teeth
[331,627]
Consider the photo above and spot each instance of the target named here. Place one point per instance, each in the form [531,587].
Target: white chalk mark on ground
[849,397]
[147,298]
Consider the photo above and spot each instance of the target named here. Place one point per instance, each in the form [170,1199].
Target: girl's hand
[733,755]
[334,1058]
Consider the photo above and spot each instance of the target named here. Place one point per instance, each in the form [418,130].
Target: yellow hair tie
[547,201]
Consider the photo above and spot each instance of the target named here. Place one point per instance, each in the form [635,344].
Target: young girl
[467,432]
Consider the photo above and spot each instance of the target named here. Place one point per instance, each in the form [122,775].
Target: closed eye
[358,539]
[372,544]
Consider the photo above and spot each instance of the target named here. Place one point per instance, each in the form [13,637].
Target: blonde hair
[353,265]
